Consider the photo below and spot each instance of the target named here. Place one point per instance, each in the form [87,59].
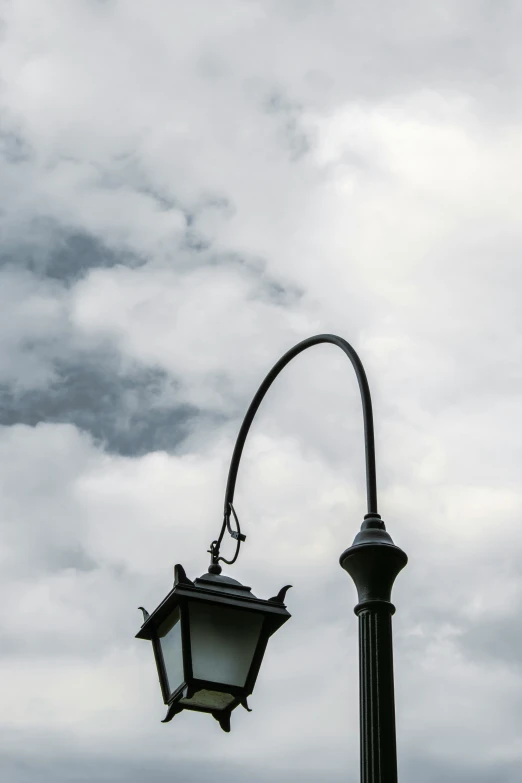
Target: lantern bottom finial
[223,718]
[174,709]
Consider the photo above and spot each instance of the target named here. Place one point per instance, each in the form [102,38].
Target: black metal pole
[373,562]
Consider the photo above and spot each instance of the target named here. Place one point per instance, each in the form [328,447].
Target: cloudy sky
[187,190]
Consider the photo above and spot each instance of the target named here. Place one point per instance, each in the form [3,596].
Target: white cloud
[261,172]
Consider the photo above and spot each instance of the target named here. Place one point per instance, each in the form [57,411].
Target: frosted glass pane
[223,643]
[169,634]
[209,700]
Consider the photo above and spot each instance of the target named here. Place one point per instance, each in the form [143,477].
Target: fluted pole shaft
[377,701]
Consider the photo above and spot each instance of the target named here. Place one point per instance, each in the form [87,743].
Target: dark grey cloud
[50,250]
[130,409]
[75,254]
[120,409]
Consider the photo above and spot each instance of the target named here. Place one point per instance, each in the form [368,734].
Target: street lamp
[209,636]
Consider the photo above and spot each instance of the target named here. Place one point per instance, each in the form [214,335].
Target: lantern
[209,637]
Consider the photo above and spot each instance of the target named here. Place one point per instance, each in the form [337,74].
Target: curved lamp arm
[369,440]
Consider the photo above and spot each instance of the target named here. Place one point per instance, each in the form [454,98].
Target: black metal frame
[212,590]
[186,651]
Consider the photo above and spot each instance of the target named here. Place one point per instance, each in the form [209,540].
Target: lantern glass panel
[223,643]
[169,633]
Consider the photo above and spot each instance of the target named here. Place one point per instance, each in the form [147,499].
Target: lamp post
[209,636]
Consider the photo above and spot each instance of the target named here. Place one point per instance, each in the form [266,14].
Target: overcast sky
[188,189]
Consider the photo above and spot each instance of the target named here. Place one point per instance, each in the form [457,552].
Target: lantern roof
[224,584]
[215,589]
